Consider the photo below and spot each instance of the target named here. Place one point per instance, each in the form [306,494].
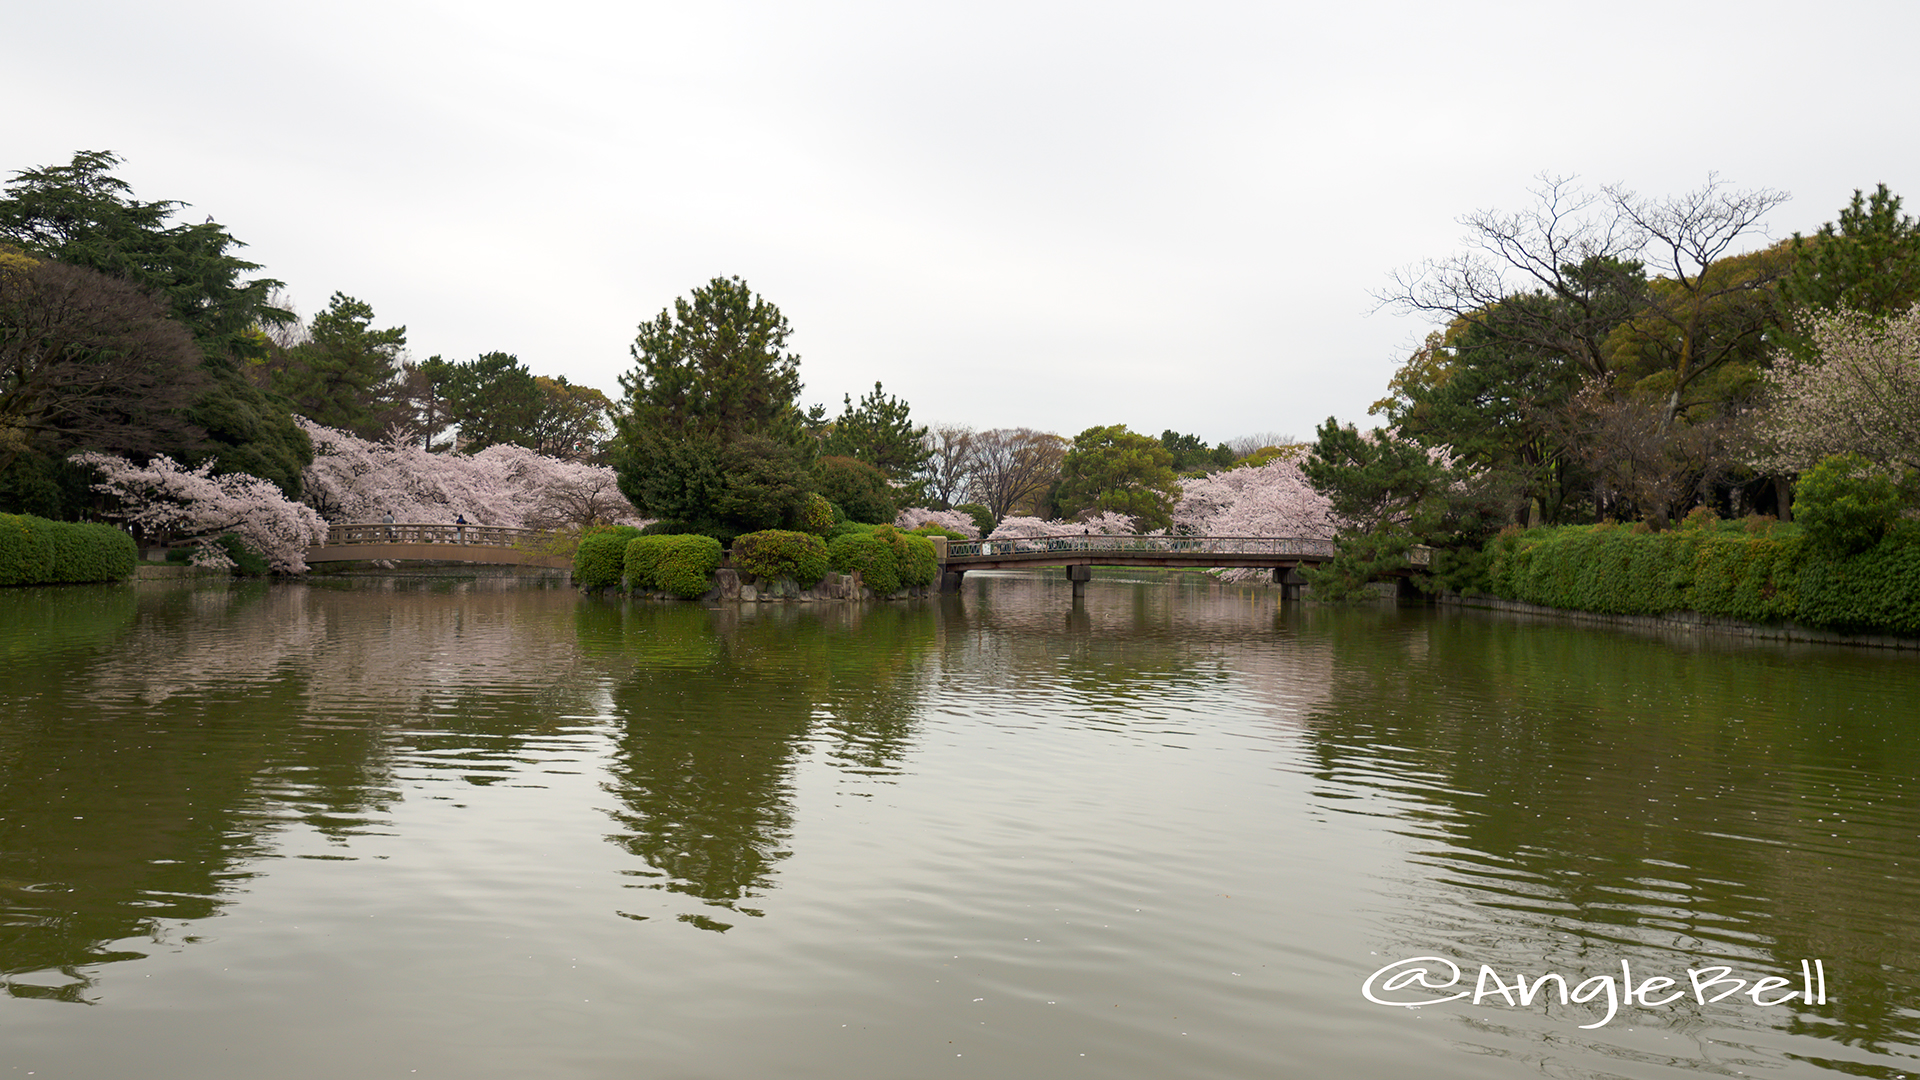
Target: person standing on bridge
[460,534]
[387,518]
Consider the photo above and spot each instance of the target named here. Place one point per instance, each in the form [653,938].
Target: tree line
[1607,356]
[124,331]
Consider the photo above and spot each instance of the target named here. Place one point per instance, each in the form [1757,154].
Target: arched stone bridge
[1283,555]
[418,542]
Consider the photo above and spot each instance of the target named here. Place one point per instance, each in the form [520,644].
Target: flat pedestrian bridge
[417,542]
[1283,555]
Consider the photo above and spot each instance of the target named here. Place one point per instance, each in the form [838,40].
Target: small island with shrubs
[852,561]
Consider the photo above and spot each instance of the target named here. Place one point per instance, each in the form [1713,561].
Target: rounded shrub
[982,517]
[870,557]
[600,560]
[35,551]
[686,565]
[920,564]
[776,554]
[856,487]
[1845,504]
[644,554]
[819,514]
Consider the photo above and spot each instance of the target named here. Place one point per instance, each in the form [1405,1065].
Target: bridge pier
[1080,575]
[950,580]
[1292,585]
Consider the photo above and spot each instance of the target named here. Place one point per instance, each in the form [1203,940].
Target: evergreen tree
[880,432]
[82,215]
[1868,261]
[710,415]
[342,376]
[1112,468]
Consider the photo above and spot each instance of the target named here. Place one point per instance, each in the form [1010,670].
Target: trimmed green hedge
[870,557]
[776,554]
[1876,591]
[919,563]
[600,560]
[35,551]
[679,564]
[1755,577]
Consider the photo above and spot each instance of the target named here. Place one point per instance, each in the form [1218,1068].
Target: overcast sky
[1052,215]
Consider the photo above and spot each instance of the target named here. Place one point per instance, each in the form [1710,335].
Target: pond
[480,828]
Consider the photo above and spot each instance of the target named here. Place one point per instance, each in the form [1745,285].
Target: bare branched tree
[952,459]
[1014,466]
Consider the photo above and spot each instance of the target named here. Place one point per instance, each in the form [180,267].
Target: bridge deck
[1119,550]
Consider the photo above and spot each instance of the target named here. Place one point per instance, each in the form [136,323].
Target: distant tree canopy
[81,215]
[710,438]
[880,432]
[342,375]
[1114,469]
[1606,353]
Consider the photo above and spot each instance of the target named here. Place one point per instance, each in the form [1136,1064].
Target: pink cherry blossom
[163,499]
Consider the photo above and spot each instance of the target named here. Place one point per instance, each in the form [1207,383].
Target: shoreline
[1687,620]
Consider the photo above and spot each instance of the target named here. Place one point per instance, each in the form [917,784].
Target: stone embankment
[1688,621]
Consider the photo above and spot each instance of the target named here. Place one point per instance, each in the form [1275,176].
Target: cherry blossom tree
[914,517]
[1014,527]
[1273,499]
[162,499]
[353,479]
[1859,392]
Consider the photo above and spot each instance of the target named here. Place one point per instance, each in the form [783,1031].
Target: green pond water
[480,828]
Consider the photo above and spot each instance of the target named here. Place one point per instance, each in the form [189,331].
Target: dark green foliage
[919,563]
[857,488]
[1191,456]
[1775,575]
[494,399]
[1846,504]
[35,551]
[1114,469]
[338,376]
[982,517]
[711,436]
[682,565]
[82,215]
[246,561]
[869,556]
[45,487]
[881,433]
[819,514]
[1392,495]
[1876,591]
[1868,261]
[250,432]
[1360,559]
[775,554]
[601,559]
[931,529]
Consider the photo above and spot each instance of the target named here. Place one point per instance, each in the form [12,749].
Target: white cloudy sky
[1041,214]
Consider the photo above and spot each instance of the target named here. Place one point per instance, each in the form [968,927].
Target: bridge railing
[1119,544]
[433,533]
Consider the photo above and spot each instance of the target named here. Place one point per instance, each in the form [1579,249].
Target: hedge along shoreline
[36,551]
[1719,573]
[685,565]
